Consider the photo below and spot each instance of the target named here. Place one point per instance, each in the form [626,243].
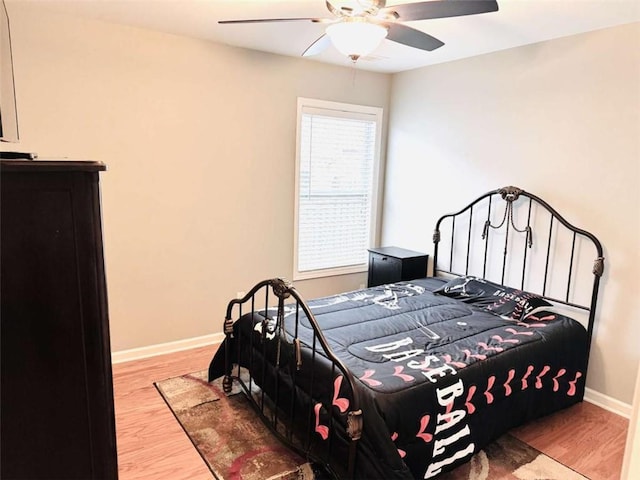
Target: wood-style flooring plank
[152,445]
[585,437]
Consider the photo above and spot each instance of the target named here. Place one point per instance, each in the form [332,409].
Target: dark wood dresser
[57,413]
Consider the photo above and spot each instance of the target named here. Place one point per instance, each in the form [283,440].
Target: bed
[409,380]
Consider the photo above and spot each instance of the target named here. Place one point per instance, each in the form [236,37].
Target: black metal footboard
[279,356]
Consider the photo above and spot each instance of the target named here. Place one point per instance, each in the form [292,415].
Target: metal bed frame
[511,195]
[277,407]
[278,416]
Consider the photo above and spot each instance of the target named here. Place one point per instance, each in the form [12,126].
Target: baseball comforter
[442,369]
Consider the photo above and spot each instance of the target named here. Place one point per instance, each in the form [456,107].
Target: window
[338,155]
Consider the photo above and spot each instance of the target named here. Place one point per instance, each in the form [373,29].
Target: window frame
[344,110]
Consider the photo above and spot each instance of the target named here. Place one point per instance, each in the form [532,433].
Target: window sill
[330,272]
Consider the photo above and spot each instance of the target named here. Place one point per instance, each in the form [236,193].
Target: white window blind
[338,151]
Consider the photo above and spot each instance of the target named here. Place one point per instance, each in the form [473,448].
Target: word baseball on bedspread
[449,429]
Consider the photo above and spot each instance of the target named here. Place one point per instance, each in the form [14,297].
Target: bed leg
[227,382]
[354,429]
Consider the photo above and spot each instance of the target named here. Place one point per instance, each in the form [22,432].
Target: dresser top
[51,165]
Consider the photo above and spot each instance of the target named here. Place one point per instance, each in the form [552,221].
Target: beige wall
[560,119]
[199,140]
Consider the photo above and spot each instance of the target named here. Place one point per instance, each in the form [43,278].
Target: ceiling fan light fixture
[356,37]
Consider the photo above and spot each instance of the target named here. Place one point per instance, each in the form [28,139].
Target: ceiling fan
[358,26]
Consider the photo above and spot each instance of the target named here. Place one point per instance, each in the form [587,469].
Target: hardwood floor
[152,445]
[585,437]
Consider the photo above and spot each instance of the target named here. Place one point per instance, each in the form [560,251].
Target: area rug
[236,445]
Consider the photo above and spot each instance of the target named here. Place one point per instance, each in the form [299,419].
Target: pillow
[504,301]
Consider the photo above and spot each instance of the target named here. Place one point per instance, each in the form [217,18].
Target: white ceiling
[518,22]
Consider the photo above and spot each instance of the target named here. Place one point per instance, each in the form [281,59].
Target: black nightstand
[394,264]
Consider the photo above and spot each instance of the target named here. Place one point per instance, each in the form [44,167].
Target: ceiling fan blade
[378,3]
[366,5]
[414,38]
[267,20]
[442,9]
[318,46]
[332,9]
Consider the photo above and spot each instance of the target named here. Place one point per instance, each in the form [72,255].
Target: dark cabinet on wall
[394,264]
[57,414]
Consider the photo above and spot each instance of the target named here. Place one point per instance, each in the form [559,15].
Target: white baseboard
[608,403]
[164,348]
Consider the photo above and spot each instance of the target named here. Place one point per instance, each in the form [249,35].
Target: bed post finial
[510,193]
[281,287]
[598,266]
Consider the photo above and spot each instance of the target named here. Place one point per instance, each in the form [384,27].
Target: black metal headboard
[515,238]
